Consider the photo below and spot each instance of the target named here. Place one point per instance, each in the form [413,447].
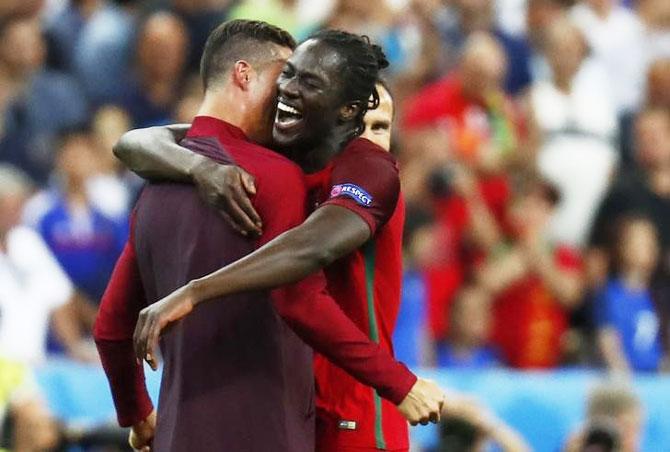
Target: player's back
[235,376]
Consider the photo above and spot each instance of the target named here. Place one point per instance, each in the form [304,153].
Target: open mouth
[287,116]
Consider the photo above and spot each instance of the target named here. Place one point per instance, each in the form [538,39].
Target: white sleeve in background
[47,282]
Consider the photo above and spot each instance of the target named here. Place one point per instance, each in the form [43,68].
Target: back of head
[611,400]
[363,62]
[237,40]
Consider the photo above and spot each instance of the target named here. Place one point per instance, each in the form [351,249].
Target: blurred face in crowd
[658,84]
[639,246]
[652,139]
[471,317]
[310,94]
[11,209]
[483,66]
[76,159]
[162,47]
[22,48]
[475,15]
[531,213]
[539,15]
[378,122]
[109,124]
[565,50]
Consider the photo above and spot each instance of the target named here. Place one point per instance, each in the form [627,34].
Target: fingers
[145,338]
[248,181]
[251,221]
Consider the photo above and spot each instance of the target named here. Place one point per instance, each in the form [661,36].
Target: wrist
[198,166]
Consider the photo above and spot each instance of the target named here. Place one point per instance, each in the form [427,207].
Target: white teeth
[287,108]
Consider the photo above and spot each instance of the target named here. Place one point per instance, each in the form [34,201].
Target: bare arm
[611,350]
[329,233]
[154,154]
[566,285]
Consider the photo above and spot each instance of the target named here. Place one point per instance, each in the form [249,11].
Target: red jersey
[529,322]
[366,284]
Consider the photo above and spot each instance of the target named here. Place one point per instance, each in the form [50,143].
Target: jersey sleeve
[113,332]
[365,180]
[313,314]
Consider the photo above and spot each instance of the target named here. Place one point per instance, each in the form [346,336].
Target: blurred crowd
[533,138]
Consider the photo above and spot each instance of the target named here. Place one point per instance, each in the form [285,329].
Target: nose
[288,88]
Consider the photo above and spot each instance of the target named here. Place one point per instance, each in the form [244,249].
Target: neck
[635,279]
[221,104]
[319,156]
[659,178]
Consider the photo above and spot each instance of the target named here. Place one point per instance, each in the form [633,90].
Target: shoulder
[26,240]
[362,151]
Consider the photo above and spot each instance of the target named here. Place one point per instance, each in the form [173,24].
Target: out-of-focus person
[471,105]
[572,128]
[282,13]
[646,191]
[33,287]
[35,103]
[459,138]
[469,426]
[658,84]
[616,413]
[85,242]
[92,39]
[161,53]
[111,188]
[535,284]
[655,14]
[468,344]
[33,427]
[467,17]
[628,326]
[616,38]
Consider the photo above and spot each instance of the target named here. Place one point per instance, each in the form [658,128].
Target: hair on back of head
[240,40]
[363,61]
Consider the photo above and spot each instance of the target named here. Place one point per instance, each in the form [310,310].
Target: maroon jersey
[366,284]
[236,377]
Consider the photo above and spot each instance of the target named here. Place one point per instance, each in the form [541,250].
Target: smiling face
[309,97]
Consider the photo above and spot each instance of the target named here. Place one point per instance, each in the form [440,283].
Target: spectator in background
[616,38]
[573,125]
[628,327]
[33,426]
[658,84]
[540,14]
[644,191]
[459,138]
[112,188]
[535,284]
[85,242]
[161,58]
[38,103]
[476,16]
[469,426]
[468,343]
[615,405]
[33,288]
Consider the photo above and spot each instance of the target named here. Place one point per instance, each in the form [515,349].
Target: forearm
[154,154]
[483,228]
[327,235]
[609,344]
[320,322]
[66,327]
[565,285]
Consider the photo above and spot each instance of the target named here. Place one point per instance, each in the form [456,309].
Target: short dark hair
[363,61]
[239,40]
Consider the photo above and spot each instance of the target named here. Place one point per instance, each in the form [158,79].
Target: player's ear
[349,111]
[242,73]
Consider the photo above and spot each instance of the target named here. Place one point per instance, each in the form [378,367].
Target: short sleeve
[365,180]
